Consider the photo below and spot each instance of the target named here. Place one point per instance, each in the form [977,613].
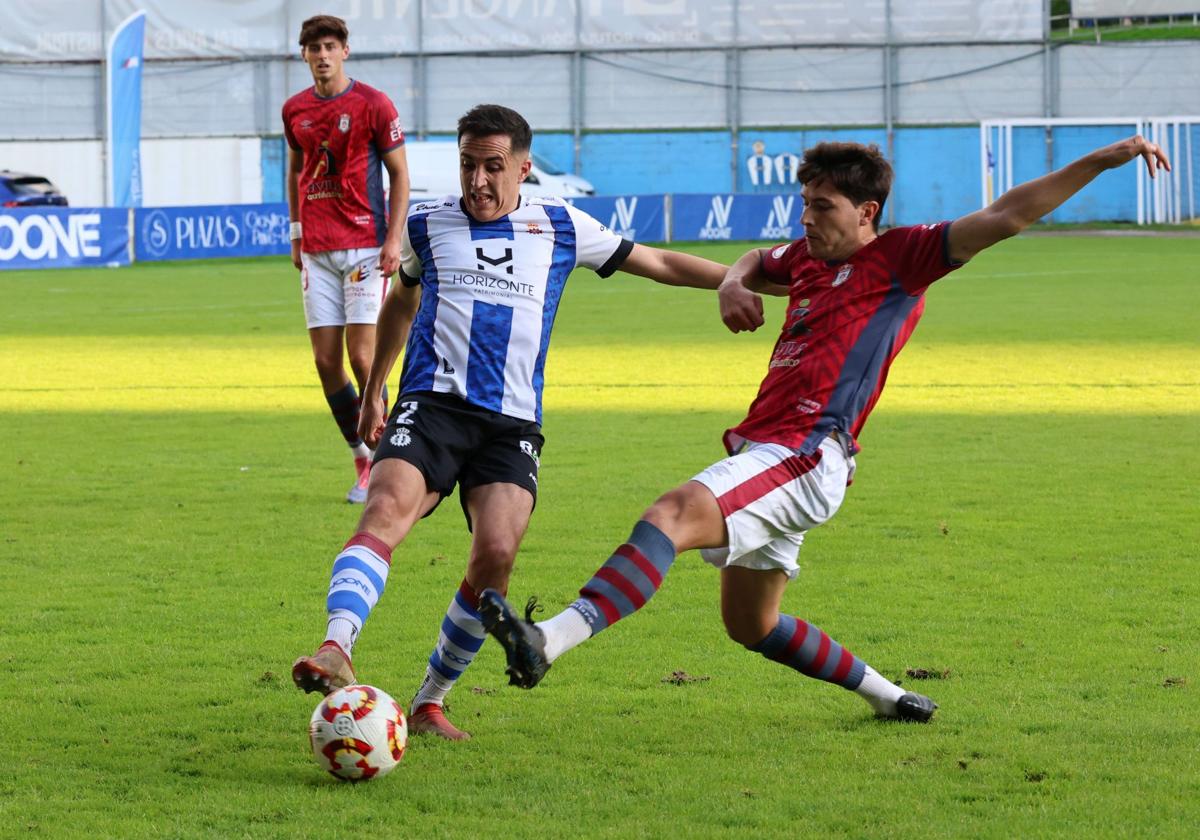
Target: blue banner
[223,230]
[45,237]
[124,72]
[736,216]
[640,218]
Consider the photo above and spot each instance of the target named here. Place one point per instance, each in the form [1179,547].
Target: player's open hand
[741,309]
[1119,154]
[371,421]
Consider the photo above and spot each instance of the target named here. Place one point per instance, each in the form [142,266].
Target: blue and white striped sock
[460,638]
[355,586]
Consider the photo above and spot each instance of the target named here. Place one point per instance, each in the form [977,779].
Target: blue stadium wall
[937,167]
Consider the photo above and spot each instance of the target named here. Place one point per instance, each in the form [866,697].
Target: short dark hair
[487,120]
[861,173]
[323,26]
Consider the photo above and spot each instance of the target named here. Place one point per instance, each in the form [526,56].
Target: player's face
[491,174]
[325,57]
[833,224]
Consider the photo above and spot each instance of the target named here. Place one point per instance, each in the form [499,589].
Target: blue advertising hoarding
[61,237]
[640,218]
[736,216]
[66,237]
[221,230]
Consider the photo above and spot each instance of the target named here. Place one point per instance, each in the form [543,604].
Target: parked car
[20,189]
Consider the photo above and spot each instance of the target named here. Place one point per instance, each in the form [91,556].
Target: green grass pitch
[1023,526]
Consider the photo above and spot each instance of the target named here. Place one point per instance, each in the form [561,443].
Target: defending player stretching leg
[344,244]
[854,298]
[481,278]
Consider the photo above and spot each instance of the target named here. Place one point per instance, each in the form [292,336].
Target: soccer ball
[358,732]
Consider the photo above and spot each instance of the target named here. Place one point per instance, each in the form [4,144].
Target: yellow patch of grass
[88,374]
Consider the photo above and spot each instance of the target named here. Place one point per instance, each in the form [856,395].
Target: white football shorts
[770,496]
[342,287]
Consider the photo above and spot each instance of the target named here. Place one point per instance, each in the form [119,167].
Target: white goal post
[1169,198]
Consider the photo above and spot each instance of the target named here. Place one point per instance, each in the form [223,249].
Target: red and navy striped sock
[628,579]
[805,647]
[345,407]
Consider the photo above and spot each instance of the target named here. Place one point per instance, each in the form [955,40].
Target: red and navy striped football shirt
[343,139]
[845,323]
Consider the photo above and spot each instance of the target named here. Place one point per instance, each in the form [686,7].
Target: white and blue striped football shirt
[489,293]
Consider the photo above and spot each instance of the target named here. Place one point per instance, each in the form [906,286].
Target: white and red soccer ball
[358,732]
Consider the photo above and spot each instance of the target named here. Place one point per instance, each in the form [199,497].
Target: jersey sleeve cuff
[410,282]
[950,263]
[618,257]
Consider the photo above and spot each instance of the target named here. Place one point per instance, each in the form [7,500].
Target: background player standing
[481,279]
[854,298]
[344,241]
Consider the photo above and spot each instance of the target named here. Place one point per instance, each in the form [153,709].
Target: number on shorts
[404,418]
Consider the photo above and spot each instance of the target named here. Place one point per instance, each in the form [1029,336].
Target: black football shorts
[454,442]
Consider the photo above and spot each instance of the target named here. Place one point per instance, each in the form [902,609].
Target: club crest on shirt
[344,123]
[843,275]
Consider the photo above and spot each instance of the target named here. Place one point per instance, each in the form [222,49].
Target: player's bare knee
[386,514]
[670,508]
[361,365]
[495,554]
[491,566]
[329,367]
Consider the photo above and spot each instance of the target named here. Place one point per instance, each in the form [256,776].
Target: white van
[433,171]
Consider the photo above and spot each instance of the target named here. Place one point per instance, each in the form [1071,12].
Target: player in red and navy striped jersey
[345,239]
[854,298]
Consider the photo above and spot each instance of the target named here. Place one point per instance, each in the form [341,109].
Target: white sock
[563,632]
[433,690]
[343,629]
[361,451]
[881,693]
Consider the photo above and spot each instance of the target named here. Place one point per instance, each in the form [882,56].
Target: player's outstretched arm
[674,268]
[739,293]
[396,163]
[1023,205]
[391,332]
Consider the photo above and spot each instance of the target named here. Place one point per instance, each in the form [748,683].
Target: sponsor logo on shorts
[400,437]
[528,449]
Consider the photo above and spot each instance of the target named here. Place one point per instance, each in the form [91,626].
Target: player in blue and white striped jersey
[481,279]
[489,293]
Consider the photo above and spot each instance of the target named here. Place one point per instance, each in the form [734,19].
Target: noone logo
[38,237]
[716,226]
[621,222]
[779,225]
